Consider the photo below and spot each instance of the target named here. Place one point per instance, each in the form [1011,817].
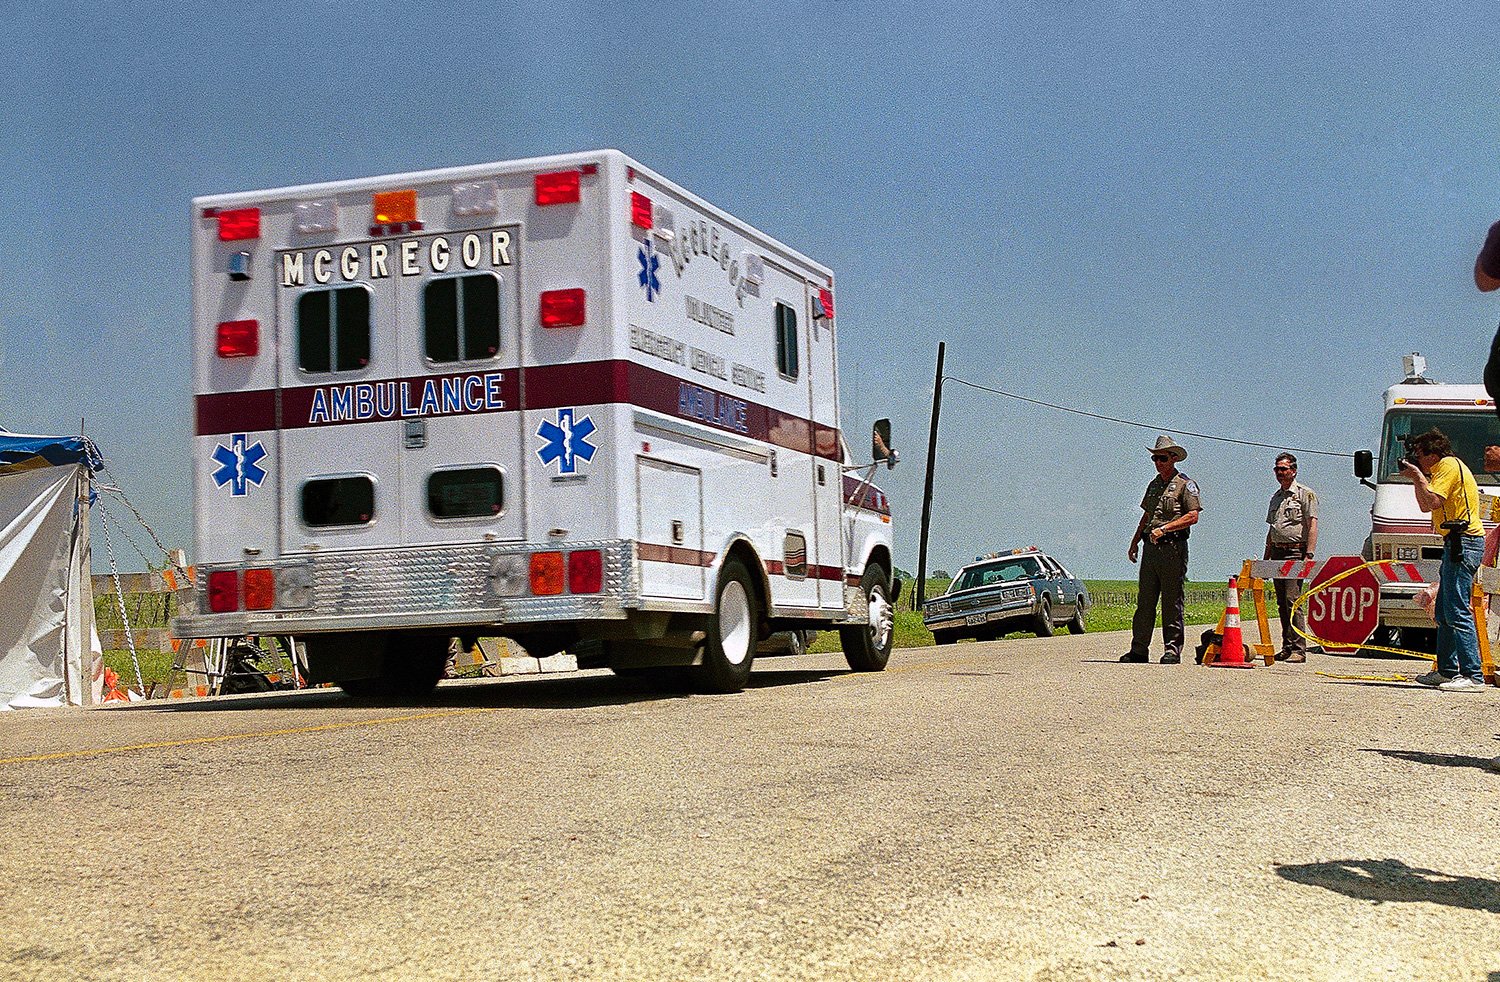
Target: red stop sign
[1347,612]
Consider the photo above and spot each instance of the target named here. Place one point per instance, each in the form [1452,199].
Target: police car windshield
[1469,432]
[996,572]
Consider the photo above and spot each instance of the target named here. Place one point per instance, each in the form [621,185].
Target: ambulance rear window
[333,501]
[461,318]
[786,341]
[333,330]
[471,492]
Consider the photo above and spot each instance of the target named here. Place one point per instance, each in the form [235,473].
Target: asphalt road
[1016,810]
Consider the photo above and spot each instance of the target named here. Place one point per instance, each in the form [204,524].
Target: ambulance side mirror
[880,444]
[1364,463]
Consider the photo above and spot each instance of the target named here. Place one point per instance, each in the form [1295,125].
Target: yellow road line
[291,731]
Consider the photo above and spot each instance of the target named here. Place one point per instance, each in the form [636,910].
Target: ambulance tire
[410,670]
[867,648]
[729,648]
[1044,625]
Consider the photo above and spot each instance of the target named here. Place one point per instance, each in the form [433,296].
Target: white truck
[561,400]
[1399,529]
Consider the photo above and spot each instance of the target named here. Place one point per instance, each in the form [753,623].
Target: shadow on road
[1391,880]
[1440,760]
[523,692]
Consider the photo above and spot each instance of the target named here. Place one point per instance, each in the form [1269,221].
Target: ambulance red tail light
[558,188]
[640,210]
[239,339]
[223,591]
[585,571]
[236,224]
[563,308]
[260,589]
[546,573]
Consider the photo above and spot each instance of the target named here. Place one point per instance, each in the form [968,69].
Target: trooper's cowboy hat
[1165,444]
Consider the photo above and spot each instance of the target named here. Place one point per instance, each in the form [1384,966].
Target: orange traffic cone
[1232,648]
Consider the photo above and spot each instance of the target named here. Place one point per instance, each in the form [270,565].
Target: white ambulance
[1399,528]
[561,400]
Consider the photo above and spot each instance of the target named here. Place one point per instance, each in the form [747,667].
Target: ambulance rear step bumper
[422,587]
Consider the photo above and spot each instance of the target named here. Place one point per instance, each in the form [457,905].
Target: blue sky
[1230,219]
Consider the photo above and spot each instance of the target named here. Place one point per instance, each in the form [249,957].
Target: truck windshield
[996,572]
[1469,432]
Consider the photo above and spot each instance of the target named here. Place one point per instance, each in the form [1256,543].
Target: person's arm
[1427,499]
[1177,524]
[1267,554]
[1135,540]
[1312,536]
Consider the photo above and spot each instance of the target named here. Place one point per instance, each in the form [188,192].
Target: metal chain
[114,572]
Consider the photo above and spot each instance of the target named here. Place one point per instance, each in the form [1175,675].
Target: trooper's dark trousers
[1163,573]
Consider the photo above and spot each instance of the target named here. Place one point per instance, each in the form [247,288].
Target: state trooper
[1292,518]
[1169,508]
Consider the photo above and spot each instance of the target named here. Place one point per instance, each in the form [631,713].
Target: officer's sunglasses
[1281,467]
[1159,457]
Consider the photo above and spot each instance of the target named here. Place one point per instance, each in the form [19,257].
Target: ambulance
[1399,528]
[561,400]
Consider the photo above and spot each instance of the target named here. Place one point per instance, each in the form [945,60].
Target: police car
[1019,590]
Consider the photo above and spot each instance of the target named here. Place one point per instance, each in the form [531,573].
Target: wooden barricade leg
[1263,647]
[1486,659]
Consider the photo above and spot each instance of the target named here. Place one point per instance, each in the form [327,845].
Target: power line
[1144,426]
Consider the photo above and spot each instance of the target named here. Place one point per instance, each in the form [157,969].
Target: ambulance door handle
[677,532]
[822,478]
[414,434]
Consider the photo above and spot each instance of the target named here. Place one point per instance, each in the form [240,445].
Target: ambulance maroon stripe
[778,568]
[546,387]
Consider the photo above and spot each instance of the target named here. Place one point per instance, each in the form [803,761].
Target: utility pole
[937,408]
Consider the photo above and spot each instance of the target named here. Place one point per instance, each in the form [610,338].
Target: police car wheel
[1044,620]
[867,647]
[945,637]
[1076,625]
[729,649]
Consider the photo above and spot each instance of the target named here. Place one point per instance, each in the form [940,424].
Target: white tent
[49,651]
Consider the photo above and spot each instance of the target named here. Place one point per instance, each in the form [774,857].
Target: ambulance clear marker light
[563,308]
[585,571]
[260,589]
[238,266]
[558,188]
[223,591]
[237,224]
[546,573]
[239,339]
[640,210]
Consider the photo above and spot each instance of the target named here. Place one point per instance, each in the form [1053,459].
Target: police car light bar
[238,224]
[563,308]
[558,188]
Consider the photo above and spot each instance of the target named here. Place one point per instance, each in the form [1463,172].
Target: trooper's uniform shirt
[1168,500]
[1290,512]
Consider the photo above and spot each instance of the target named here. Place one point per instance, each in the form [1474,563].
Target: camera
[1408,456]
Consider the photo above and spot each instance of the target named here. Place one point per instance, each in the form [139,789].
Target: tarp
[49,651]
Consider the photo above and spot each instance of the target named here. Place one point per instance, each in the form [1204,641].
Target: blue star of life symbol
[566,441]
[239,465]
[650,263]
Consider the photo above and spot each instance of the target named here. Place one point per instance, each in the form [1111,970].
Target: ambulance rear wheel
[729,648]
[867,647]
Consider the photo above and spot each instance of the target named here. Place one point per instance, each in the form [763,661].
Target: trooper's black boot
[1133,657]
[1170,659]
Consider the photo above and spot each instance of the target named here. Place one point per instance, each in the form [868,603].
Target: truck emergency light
[260,589]
[563,308]
[546,573]
[394,207]
[558,188]
[239,339]
[223,591]
[236,224]
[640,210]
[585,571]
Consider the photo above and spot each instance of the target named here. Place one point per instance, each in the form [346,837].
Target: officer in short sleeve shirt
[1292,533]
[1169,508]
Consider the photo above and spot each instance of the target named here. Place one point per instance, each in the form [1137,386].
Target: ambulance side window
[334,501]
[786,341]
[333,330]
[469,492]
[461,318]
